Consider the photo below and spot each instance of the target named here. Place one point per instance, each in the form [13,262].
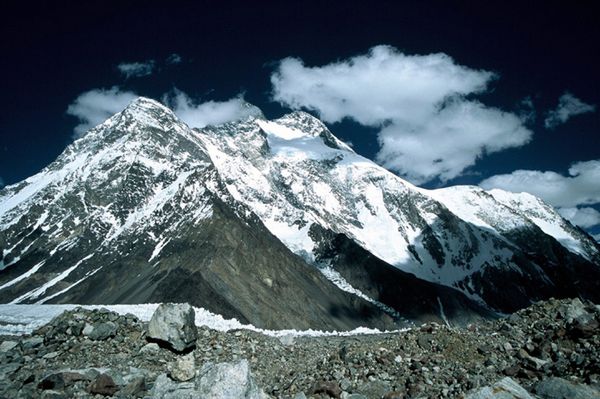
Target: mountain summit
[277,223]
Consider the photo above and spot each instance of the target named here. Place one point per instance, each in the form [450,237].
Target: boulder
[559,388]
[103,384]
[228,380]
[100,331]
[506,388]
[174,325]
[7,346]
[214,381]
[183,368]
[61,379]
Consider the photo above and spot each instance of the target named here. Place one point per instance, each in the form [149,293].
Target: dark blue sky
[54,51]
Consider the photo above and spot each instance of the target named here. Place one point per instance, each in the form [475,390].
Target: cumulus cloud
[569,193]
[428,127]
[174,59]
[568,106]
[136,69]
[580,187]
[584,217]
[210,112]
[95,106]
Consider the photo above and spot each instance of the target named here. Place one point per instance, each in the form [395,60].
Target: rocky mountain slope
[549,350]
[277,223]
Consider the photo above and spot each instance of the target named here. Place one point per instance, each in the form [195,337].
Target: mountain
[277,223]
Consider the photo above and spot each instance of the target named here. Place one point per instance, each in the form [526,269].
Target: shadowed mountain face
[276,223]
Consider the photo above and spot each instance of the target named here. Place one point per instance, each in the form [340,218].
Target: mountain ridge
[143,181]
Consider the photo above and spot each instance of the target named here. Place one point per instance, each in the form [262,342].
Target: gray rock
[573,310]
[53,395]
[506,388]
[559,388]
[287,340]
[31,343]
[103,384]
[165,388]
[61,379]
[374,389]
[135,388]
[149,348]
[100,331]
[346,395]
[228,380]
[222,380]
[183,368]
[174,324]
[7,346]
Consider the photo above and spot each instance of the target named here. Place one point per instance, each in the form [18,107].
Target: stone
[331,388]
[51,355]
[559,388]
[287,340]
[7,346]
[100,331]
[31,343]
[394,395]
[228,380]
[584,328]
[174,325]
[165,388]
[149,348]
[53,395]
[103,384]
[506,388]
[134,388]
[61,379]
[374,389]
[574,309]
[183,368]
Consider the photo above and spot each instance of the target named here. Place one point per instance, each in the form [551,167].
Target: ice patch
[17,319]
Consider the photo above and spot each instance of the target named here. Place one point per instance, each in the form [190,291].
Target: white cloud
[568,106]
[569,193]
[583,217]
[428,127]
[174,59]
[580,187]
[210,112]
[95,106]
[596,237]
[136,69]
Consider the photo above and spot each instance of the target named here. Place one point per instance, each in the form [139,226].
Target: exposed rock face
[174,325]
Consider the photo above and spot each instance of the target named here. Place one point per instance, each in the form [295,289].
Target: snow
[18,319]
[336,278]
[157,201]
[23,276]
[542,215]
[161,244]
[294,237]
[35,293]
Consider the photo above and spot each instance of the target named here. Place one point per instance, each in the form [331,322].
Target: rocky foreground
[549,350]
